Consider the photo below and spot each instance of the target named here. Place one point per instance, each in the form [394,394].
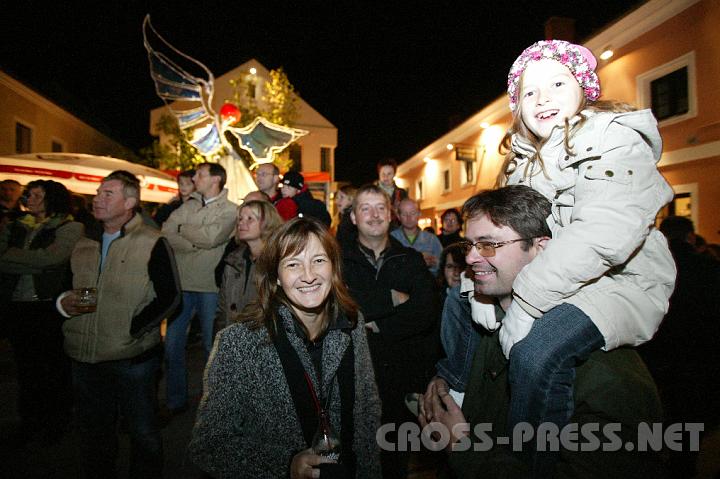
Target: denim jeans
[542,372]
[205,305]
[460,337]
[103,389]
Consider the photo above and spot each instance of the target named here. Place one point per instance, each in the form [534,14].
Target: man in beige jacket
[198,232]
[115,344]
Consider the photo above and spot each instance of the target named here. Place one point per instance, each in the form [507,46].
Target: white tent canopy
[82,173]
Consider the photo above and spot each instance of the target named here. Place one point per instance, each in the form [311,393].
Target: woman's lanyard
[318,407]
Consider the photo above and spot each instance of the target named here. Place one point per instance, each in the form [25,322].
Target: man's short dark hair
[11,181]
[186,174]
[370,188]
[518,207]
[387,162]
[677,228]
[216,169]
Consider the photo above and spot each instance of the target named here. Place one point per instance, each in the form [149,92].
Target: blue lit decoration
[190,100]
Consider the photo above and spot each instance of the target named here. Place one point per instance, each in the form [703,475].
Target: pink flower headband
[578,59]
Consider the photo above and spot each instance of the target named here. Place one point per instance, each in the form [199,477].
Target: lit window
[684,203]
[468,173]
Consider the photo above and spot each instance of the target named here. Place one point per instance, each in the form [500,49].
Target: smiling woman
[298,355]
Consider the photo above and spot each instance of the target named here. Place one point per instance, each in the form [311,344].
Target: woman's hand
[303,465]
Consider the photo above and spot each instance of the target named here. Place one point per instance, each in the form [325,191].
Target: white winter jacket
[606,256]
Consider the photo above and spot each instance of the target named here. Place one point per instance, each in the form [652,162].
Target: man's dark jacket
[610,387]
[408,332]
[308,206]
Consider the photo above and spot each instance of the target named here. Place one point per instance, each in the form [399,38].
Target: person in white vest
[114,339]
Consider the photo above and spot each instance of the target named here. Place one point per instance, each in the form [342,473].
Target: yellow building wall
[705,174]
[49,123]
[694,29]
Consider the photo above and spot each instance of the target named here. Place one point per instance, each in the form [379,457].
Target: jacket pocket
[608,172]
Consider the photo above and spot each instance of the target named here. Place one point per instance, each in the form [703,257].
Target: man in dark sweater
[395,292]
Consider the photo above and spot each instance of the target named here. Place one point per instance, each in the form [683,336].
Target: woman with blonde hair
[297,359]
[257,220]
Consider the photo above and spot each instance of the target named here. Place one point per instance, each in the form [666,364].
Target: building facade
[314,153]
[665,56]
[30,123]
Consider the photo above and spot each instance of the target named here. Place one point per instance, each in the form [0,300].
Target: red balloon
[230,112]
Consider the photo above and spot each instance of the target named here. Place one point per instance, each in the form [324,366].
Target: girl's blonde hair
[518,127]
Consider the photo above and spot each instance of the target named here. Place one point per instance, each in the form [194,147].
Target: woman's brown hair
[290,239]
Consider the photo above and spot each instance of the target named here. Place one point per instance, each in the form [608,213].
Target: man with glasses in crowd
[267,178]
[505,231]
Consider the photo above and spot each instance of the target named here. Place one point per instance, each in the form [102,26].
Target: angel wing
[190,99]
[187,96]
[262,138]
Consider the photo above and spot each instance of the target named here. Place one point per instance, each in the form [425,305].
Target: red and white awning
[82,173]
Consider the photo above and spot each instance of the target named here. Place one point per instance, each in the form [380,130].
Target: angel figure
[189,98]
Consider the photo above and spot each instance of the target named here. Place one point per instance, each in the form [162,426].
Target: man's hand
[372,327]
[303,465]
[71,304]
[430,260]
[398,297]
[444,410]
[425,402]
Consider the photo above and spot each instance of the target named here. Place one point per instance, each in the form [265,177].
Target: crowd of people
[534,307]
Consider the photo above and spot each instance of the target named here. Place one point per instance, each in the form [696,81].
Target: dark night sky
[392,76]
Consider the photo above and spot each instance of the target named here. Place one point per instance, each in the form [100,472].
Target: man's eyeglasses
[487,248]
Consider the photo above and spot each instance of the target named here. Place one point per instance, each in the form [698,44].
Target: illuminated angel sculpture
[189,98]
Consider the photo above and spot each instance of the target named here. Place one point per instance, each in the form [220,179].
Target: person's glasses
[487,248]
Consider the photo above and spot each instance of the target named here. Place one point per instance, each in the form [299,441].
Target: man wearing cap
[298,201]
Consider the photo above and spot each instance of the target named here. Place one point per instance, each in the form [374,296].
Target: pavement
[59,460]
